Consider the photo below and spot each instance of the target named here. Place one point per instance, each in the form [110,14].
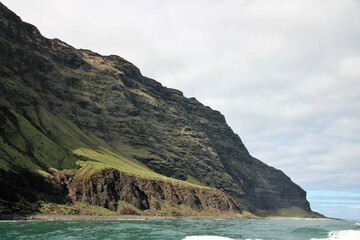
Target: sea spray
[341,235]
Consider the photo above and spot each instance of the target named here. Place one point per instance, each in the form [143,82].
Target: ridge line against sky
[285,73]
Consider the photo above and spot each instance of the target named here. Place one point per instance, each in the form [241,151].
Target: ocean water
[182,229]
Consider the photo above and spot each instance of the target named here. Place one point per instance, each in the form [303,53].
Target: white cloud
[350,67]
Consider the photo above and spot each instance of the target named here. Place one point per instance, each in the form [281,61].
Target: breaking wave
[341,235]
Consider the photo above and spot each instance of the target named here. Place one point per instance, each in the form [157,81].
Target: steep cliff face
[120,135]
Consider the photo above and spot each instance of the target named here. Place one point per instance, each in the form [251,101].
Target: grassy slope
[69,148]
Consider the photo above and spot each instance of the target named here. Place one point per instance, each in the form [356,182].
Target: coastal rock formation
[109,186]
[115,135]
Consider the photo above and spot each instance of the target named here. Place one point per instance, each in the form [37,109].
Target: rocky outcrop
[109,186]
[55,100]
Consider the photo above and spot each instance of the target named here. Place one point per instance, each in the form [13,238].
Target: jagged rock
[107,187]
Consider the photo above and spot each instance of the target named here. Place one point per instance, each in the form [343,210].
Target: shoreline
[59,217]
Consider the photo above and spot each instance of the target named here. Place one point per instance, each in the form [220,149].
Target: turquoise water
[180,229]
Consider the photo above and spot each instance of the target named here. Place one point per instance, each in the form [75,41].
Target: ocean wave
[357,224]
[341,235]
[205,237]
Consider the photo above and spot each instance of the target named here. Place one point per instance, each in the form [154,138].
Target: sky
[285,73]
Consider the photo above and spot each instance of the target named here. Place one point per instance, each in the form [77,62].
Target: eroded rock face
[109,186]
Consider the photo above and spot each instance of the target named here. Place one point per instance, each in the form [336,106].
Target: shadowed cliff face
[76,111]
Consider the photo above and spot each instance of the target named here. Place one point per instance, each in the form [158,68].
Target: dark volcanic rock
[56,99]
[107,187]
[23,185]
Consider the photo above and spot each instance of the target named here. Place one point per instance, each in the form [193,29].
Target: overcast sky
[286,74]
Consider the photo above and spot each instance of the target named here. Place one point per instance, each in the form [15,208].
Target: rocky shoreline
[59,217]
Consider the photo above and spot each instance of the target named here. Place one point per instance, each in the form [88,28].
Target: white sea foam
[342,235]
[206,238]
[357,224]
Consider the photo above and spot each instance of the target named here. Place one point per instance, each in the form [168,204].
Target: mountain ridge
[67,112]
